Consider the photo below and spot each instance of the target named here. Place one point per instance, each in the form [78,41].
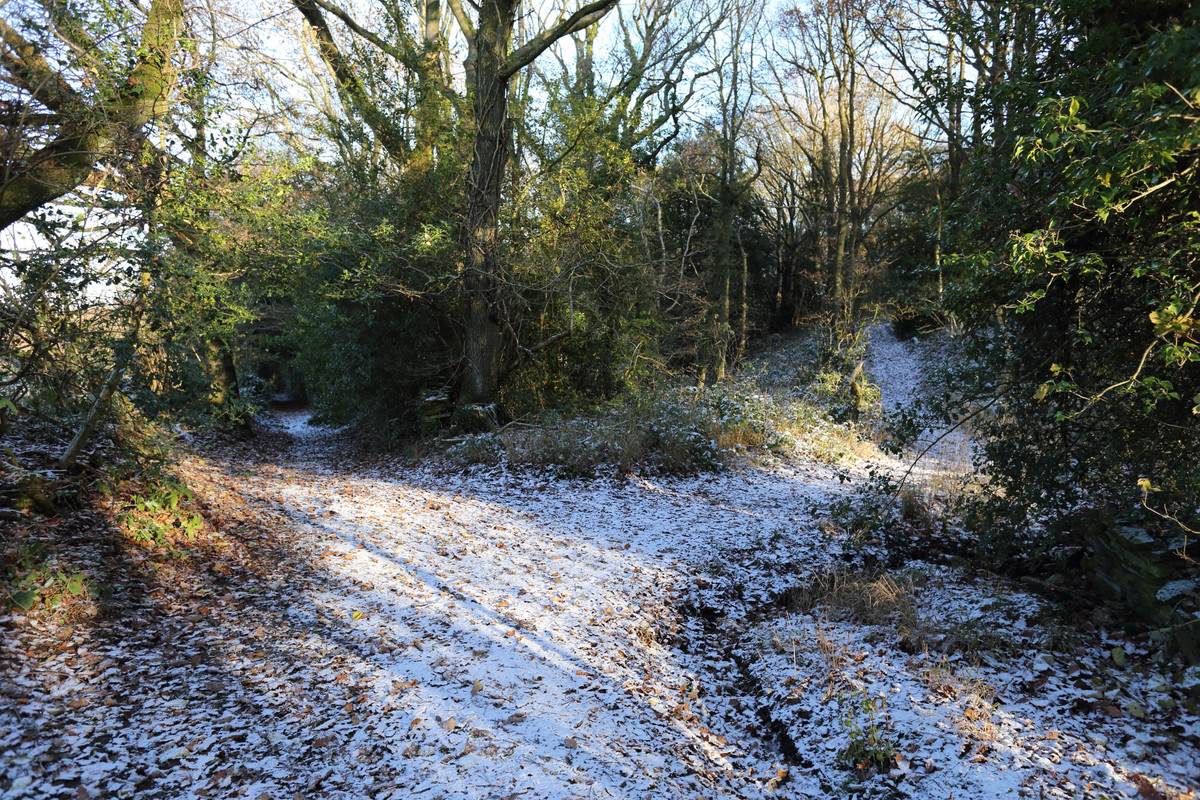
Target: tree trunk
[223,370]
[720,332]
[743,300]
[480,288]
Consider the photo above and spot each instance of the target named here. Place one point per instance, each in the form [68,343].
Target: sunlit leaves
[1083,281]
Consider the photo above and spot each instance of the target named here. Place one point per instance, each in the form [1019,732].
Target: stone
[1135,710]
[1136,750]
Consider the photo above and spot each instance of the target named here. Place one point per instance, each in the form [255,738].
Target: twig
[943,435]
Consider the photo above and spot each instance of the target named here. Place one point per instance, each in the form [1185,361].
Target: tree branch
[349,86]
[21,60]
[60,166]
[408,59]
[586,15]
[464,22]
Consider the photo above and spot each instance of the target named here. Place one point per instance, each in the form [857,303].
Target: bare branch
[583,17]
[21,60]
[407,58]
[350,87]
[464,22]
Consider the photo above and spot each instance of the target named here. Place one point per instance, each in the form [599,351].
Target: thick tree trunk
[223,371]
[480,287]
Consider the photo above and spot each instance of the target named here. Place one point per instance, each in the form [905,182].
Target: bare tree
[790,217]
[734,94]
[953,54]
[846,128]
[659,69]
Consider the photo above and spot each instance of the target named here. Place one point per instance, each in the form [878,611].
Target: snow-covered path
[897,368]
[474,636]
[537,621]
[405,631]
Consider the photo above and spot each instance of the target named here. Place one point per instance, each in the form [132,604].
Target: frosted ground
[401,631]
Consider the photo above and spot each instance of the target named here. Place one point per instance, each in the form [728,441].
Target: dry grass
[740,438]
[914,510]
[947,472]
[976,698]
[835,653]
[870,599]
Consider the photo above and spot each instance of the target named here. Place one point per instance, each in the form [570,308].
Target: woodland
[624,398]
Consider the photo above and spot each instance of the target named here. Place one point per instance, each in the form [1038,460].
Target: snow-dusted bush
[679,430]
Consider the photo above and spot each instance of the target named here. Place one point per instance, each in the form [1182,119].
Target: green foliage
[581,289]
[833,375]
[874,521]
[1082,288]
[866,721]
[230,247]
[160,513]
[371,331]
[29,578]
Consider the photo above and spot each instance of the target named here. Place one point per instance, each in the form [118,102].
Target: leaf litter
[379,629]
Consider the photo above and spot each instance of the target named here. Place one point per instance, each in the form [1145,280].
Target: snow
[421,632]
[942,458]
[891,363]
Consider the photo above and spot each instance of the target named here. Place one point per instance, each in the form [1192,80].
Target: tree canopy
[425,216]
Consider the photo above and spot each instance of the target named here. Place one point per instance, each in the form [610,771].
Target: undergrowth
[680,430]
[30,576]
[898,601]
[871,742]
[156,511]
[122,491]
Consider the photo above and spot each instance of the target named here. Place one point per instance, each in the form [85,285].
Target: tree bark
[485,176]
[481,282]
